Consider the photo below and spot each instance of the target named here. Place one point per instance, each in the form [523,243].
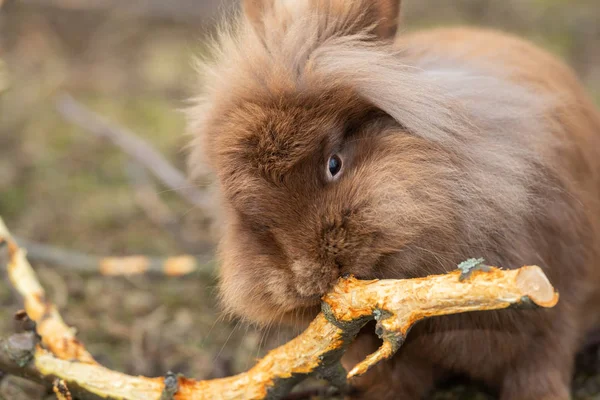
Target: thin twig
[135,147]
[116,266]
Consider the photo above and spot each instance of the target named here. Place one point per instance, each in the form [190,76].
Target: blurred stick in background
[148,199]
[117,266]
[136,148]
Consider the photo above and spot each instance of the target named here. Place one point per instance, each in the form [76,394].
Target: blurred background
[131,62]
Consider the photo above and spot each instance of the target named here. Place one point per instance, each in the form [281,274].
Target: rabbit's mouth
[313,280]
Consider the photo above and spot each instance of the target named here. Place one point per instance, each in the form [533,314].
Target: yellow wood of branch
[56,335]
[302,355]
[410,300]
[97,379]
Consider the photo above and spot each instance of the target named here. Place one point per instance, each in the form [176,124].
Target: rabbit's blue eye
[334,165]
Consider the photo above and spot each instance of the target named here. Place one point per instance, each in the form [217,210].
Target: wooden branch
[56,335]
[135,147]
[395,304]
[115,266]
[398,304]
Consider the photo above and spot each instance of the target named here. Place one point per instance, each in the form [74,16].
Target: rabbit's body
[339,153]
[525,356]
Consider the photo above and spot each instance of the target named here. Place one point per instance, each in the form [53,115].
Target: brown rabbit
[340,149]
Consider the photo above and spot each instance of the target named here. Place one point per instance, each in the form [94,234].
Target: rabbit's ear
[387,16]
[255,10]
[281,10]
[380,15]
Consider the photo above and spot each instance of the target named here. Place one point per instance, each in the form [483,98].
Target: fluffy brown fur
[455,143]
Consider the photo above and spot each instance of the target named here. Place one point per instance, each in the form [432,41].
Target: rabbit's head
[308,121]
[316,181]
